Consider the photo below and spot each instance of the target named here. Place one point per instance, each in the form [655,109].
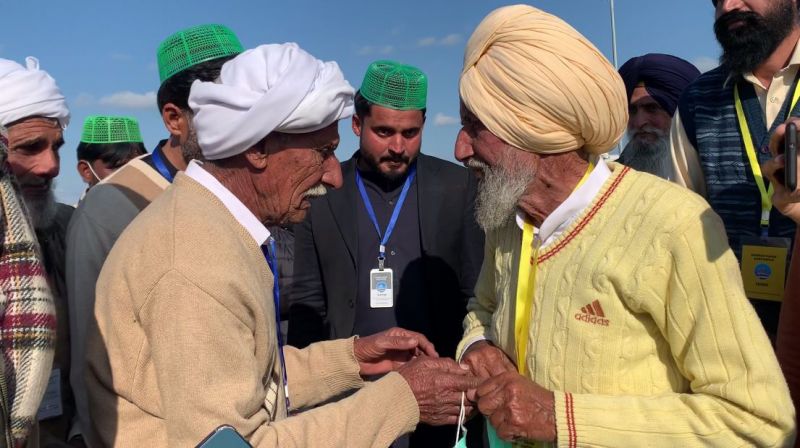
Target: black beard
[751,43]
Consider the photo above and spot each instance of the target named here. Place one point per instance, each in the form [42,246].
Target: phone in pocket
[224,437]
[790,154]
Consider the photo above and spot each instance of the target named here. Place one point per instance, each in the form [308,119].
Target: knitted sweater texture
[640,325]
[184,340]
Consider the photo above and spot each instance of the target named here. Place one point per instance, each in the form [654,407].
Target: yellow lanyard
[526,280]
[766,194]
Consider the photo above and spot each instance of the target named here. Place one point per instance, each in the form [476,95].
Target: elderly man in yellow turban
[609,310]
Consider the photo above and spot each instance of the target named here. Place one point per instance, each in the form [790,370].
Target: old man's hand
[787,202]
[487,360]
[518,408]
[388,350]
[437,384]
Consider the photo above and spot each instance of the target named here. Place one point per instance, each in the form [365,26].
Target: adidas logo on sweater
[593,313]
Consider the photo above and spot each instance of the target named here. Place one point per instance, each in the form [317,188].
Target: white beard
[653,158]
[498,192]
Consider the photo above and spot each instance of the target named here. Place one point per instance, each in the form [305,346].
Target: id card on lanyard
[764,259]
[381,279]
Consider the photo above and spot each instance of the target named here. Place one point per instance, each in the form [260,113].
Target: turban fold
[664,76]
[277,87]
[538,84]
[28,92]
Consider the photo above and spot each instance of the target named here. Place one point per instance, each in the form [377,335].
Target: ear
[257,156]
[174,120]
[356,124]
[85,172]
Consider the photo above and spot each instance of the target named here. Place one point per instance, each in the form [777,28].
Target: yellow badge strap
[749,147]
[526,280]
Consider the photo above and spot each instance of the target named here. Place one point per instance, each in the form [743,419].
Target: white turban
[538,84]
[277,87]
[27,92]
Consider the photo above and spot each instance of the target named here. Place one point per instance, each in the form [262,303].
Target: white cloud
[83,100]
[129,100]
[446,41]
[426,42]
[121,57]
[369,49]
[450,39]
[705,63]
[444,120]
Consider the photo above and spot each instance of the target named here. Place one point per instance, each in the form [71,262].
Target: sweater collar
[565,214]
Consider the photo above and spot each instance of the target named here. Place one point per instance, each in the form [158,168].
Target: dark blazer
[324,291]
[322,301]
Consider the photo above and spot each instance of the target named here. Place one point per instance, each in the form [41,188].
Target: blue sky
[103,53]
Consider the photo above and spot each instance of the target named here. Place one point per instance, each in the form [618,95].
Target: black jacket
[322,301]
[324,290]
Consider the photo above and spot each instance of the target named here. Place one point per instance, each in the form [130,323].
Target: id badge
[764,267]
[381,294]
[51,403]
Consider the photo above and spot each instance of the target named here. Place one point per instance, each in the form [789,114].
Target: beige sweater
[640,325]
[184,340]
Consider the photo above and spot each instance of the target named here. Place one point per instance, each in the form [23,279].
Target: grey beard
[653,158]
[498,192]
[42,211]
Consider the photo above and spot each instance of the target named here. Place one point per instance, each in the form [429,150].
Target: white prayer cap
[28,92]
[276,87]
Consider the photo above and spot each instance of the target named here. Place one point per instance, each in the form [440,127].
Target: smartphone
[224,437]
[790,154]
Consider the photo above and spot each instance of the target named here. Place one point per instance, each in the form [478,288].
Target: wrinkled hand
[486,360]
[785,201]
[388,350]
[437,384]
[518,408]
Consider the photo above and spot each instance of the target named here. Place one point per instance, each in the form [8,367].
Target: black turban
[664,76]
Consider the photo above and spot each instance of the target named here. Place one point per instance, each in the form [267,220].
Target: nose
[47,164]
[725,6]
[638,119]
[332,174]
[463,147]
[397,144]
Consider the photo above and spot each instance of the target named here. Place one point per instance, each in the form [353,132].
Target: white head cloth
[276,87]
[28,92]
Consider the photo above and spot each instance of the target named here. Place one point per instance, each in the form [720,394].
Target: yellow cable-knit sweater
[640,325]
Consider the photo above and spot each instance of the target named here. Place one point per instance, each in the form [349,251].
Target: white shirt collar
[242,214]
[566,213]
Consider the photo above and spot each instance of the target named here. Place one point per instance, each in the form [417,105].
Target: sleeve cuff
[473,335]
[566,434]
[467,343]
[341,367]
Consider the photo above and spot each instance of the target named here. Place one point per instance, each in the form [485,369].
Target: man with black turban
[654,82]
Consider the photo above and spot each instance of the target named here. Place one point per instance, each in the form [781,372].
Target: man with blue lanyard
[398,244]
[721,131]
[110,206]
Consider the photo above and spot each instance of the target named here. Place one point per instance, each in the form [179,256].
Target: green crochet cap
[108,129]
[194,45]
[394,85]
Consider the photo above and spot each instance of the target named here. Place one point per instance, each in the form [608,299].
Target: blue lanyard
[160,165]
[371,212]
[270,254]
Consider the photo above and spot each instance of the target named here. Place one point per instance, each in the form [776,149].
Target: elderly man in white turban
[609,310]
[33,109]
[186,333]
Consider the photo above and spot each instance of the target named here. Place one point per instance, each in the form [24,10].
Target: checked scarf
[27,312]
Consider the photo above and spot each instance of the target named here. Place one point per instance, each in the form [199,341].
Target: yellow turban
[538,84]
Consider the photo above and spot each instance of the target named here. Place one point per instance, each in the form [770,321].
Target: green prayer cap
[394,85]
[108,129]
[194,45]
